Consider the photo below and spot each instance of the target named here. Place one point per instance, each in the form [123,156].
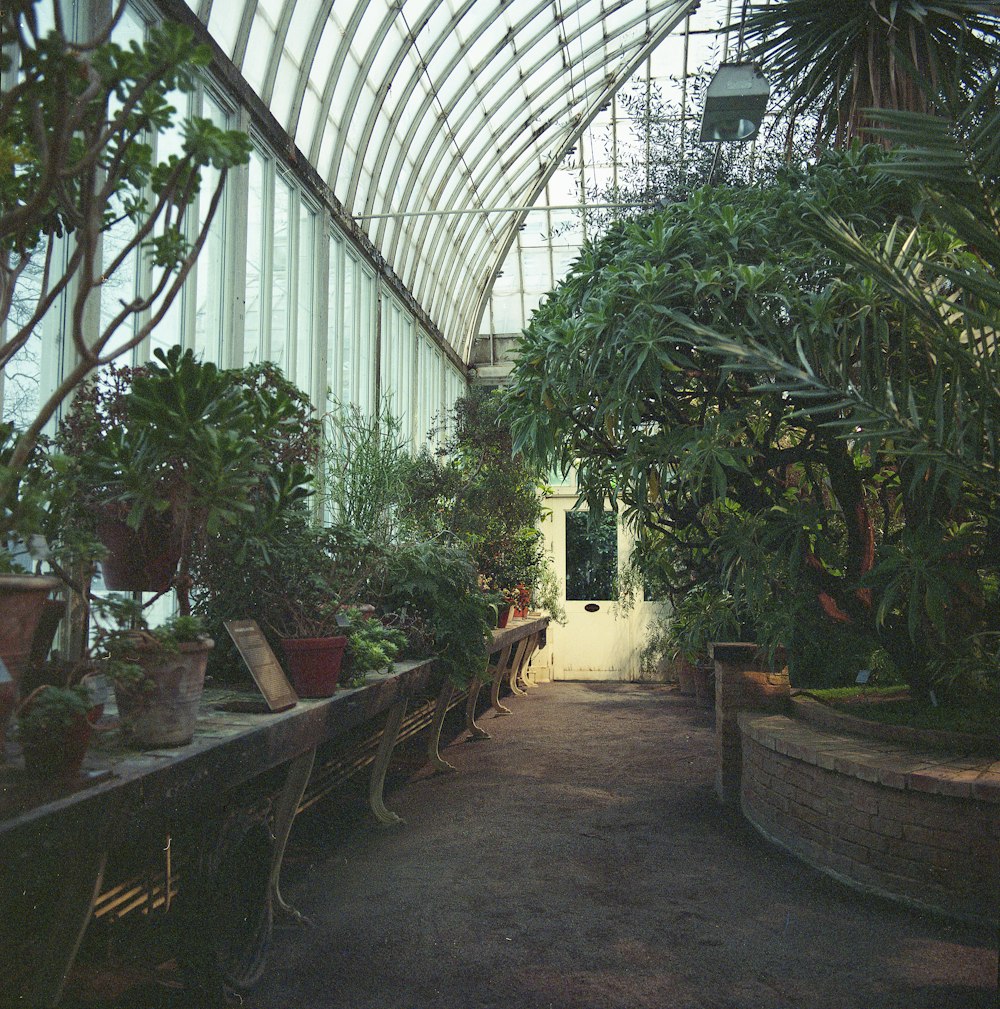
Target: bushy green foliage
[637,371]
[437,581]
[78,126]
[371,646]
[482,494]
[50,712]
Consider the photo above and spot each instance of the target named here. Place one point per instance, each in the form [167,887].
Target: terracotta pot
[685,677]
[60,758]
[22,600]
[704,685]
[314,664]
[503,615]
[165,715]
[138,560]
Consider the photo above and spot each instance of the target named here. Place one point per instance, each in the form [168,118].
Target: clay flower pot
[163,710]
[313,664]
[138,560]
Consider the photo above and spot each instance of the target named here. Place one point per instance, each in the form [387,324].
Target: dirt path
[579,860]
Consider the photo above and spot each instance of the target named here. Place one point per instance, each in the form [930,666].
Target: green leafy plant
[76,144]
[371,646]
[438,582]
[835,61]
[49,712]
[364,461]
[176,440]
[654,371]
[121,632]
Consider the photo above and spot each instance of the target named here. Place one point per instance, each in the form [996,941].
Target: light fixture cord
[743,22]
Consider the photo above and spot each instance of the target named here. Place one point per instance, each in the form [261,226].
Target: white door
[601,639]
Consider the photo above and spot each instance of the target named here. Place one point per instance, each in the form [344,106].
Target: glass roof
[415,109]
[610,155]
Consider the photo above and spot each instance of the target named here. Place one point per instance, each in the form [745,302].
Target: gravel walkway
[579,860]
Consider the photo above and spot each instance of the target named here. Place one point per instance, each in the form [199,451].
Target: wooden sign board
[264,667]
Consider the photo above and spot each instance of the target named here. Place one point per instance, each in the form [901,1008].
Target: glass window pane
[210,268]
[304,308]
[591,556]
[252,328]
[280,264]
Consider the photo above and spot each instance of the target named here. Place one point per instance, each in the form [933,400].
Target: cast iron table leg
[475,731]
[377,781]
[498,673]
[515,668]
[85,873]
[285,808]
[533,643]
[438,763]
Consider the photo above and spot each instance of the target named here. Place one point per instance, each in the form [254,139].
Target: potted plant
[312,642]
[161,457]
[701,616]
[371,646]
[158,676]
[54,728]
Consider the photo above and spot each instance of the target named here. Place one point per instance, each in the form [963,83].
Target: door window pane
[591,556]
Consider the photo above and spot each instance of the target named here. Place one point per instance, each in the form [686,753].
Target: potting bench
[64,836]
[240,782]
[511,649]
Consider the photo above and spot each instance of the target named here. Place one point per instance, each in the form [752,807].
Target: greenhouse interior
[502,504]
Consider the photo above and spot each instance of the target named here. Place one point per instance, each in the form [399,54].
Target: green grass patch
[891,706]
[858,694]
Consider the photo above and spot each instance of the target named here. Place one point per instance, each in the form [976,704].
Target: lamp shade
[734,104]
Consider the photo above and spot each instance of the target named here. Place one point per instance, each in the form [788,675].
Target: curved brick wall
[920,827]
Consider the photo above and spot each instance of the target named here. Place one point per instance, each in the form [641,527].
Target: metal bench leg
[475,731]
[533,643]
[434,739]
[498,673]
[515,668]
[377,781]
[285,808]
[84,875]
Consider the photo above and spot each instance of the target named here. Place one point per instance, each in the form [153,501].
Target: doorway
[602,639]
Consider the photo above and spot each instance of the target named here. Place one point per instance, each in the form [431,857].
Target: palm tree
[838,58]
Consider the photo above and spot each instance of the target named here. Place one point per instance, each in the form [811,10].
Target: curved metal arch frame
[434,137]
[529,150]
[526,154]
[351,103]
[277,50]
[477,313]
[452,268]
[460,123]
[333,78]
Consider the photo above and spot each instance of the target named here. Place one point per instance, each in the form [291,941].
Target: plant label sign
[262,663]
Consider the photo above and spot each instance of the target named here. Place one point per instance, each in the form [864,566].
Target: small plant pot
[503,615]
[164,712]
[138,560]
[314,664]
[60,757]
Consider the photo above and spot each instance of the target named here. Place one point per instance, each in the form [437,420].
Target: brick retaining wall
[919,827]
